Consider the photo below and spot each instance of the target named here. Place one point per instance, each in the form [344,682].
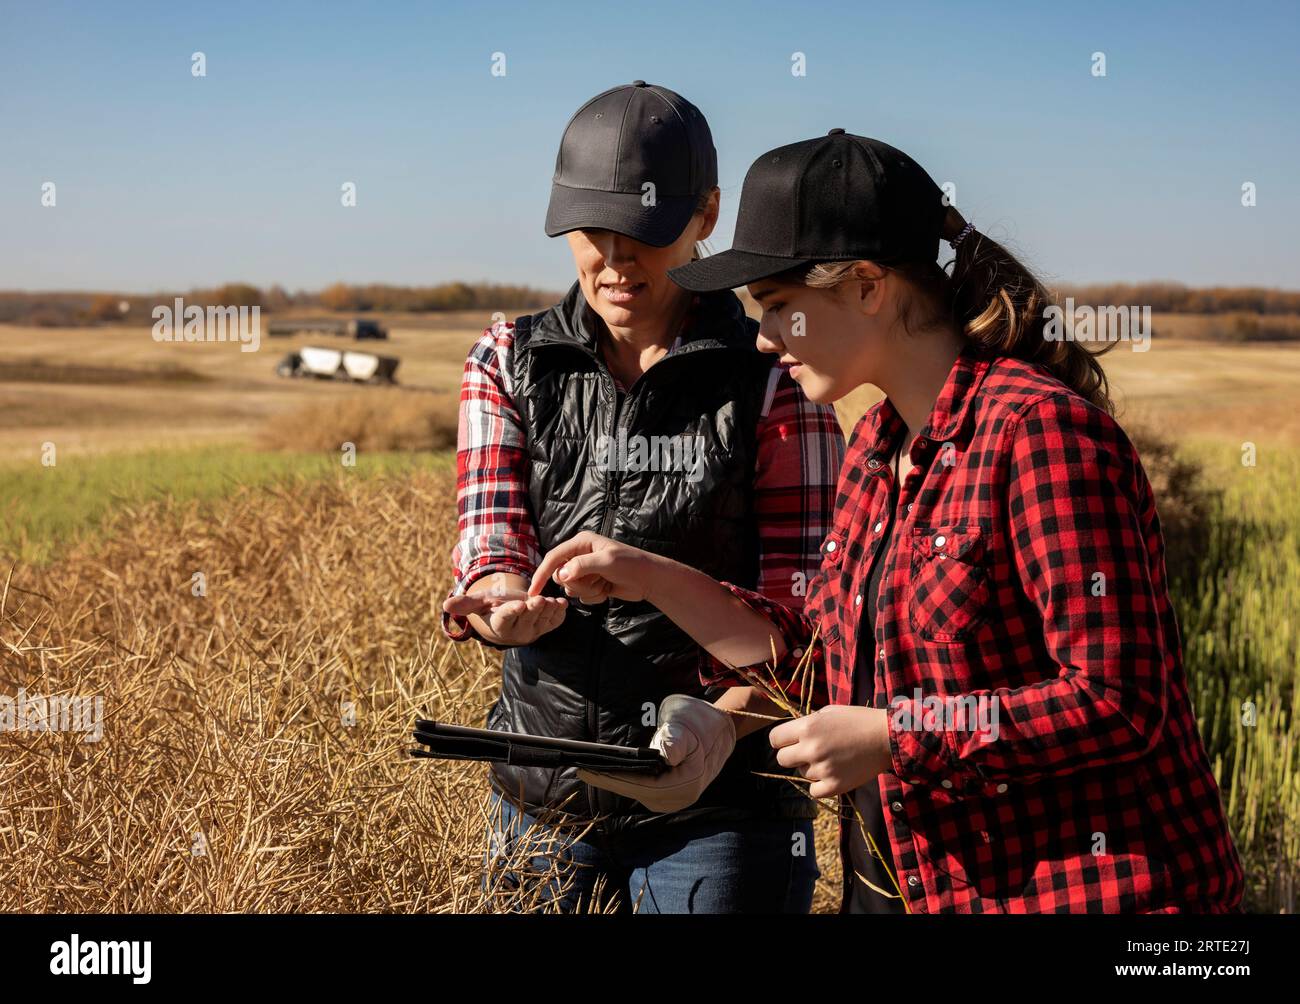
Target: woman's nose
[621,250]
[768,340]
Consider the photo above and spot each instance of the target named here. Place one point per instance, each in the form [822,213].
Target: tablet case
[459,742]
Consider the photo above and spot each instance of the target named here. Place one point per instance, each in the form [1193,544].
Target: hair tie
[967,229]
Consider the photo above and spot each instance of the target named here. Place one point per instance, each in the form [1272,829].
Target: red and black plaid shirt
[1026,572]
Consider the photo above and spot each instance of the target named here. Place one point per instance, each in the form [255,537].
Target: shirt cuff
[789,625]
[921,754]
[459,628]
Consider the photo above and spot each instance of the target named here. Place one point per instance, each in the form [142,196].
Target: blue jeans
[753,866]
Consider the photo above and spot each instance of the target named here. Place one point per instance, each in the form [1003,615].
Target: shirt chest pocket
[948,587]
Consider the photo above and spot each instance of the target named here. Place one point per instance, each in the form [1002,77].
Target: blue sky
[168,181]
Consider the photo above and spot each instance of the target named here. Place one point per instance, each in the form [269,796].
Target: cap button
[836,132]
[641,83]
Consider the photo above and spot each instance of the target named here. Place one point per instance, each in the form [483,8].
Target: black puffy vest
[601,675]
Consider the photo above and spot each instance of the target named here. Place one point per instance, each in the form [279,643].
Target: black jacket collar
[718,321]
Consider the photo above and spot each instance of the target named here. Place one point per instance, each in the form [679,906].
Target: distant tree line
[421,299]
[1172,297]
[73,308]
[68,309]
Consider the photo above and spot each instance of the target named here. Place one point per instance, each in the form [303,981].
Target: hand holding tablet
[690,746]
[695,738]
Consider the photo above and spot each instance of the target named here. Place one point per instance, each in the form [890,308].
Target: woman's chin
[617,316]
[816,388]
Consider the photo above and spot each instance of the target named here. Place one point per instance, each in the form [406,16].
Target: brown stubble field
[143,394]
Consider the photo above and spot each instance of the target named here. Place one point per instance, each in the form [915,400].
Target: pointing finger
[554,559]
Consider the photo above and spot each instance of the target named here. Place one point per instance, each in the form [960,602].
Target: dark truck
[357,328]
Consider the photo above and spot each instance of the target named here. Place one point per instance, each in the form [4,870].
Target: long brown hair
[993,300]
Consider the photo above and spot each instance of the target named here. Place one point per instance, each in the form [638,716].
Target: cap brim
[623,212]
[731,269]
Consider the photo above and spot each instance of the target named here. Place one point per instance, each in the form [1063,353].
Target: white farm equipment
[338,364]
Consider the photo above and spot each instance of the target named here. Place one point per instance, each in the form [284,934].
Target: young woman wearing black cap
[639,410]
[993,586]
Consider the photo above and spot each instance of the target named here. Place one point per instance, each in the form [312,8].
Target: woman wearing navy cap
[995,656]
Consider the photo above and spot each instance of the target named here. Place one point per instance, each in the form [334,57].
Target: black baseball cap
[838,197]
[613,146]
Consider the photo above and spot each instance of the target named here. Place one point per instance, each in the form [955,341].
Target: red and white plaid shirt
[1026,578]
[799,452]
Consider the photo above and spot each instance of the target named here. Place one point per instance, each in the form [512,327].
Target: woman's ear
[710,213]
[869,286]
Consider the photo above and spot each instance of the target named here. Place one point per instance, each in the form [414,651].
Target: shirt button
[878,526]
[919,444]
[896,806]
[797,653]
[947,783]
[940,540]
[830,545]
[909,507]
[857,600]
[882,653]
[913,881]
[1001,788]
[873,463]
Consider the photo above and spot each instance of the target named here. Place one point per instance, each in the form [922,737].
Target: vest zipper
[612,482]
[621,418]
[606,522]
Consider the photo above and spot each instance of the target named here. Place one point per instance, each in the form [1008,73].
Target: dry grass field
[252,756]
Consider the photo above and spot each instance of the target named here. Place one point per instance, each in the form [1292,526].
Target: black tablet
[440,740]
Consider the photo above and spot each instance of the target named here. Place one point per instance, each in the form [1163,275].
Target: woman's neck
[918,376]
[630,351]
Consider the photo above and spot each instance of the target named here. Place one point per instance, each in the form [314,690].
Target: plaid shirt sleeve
[497,533]
[800,450]
[1079,551]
